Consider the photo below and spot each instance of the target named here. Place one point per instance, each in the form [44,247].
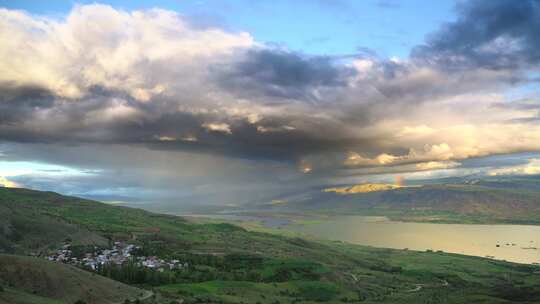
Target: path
[419,287]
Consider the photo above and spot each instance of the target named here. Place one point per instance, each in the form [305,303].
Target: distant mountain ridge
[507,200]
[362,188]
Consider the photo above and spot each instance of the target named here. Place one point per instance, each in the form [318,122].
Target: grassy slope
[27,225]
[11,295]
[292,268]
[33,280]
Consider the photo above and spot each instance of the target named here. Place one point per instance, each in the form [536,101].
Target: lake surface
[516,243]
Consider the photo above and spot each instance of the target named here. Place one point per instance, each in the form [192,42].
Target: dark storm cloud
[19,102]
[26,95]
[284,74]
[492,34]
[112,116]
[35,115]
[245,141]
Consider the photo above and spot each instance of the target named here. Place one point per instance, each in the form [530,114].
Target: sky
[323,27]
[204,102]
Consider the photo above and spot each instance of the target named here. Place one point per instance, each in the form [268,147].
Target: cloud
[165,138]
[420,130]
[530,168]
[4,182]
[430,152]
[218,127]
[436,165]
[97,45]
[355,159]
[284,74]
[153,81]
[495,34]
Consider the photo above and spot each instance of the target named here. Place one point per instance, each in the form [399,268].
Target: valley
[230,264]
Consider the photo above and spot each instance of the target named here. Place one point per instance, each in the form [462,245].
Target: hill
[33,280]
[29,223]
[362,188]
[478,201]
[228,264]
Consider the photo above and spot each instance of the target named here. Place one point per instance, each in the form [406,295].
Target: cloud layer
[153,80]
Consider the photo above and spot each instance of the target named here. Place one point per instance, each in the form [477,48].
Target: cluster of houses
[119,254]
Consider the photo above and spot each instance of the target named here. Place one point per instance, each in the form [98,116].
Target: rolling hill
[228,264]
[28,222]
[513,201]
[32,280]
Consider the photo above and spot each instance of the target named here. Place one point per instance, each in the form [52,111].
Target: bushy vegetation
[230,267]
[130,273]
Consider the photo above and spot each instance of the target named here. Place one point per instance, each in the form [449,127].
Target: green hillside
[28,222]
[228,264]
[32,280]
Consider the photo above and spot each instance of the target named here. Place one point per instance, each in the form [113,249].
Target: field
[229,264]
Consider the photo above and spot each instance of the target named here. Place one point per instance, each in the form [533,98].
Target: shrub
[317,291]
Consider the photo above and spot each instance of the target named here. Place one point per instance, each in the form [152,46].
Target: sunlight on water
[516,243]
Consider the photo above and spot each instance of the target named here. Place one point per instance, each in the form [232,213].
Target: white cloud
[188,137]
[263,129]
[429,152]
[165,138]
[436,165]
[420,130]
[97,45]
[532,167]
[218,127]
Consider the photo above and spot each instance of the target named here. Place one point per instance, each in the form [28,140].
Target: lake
[516,243]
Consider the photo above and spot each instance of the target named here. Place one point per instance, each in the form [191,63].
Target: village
[120,253]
